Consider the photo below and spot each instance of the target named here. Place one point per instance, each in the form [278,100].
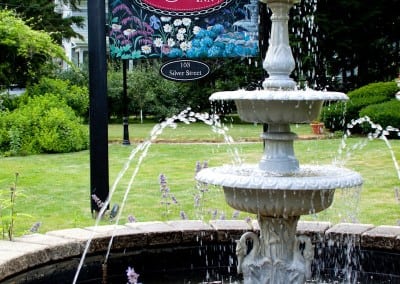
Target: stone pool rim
[31,251]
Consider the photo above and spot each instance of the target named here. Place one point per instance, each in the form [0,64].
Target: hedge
[385,114]
[336,116]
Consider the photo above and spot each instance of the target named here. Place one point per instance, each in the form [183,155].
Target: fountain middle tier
[309,190]
[278,106]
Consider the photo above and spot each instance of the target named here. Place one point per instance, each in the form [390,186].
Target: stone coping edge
[33,250]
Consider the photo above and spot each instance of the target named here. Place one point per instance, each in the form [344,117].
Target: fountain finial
[279,61]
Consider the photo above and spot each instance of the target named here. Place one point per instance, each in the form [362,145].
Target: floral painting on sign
[201,29]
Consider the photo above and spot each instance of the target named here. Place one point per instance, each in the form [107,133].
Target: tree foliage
[359,40]
[25,54]
[41,16]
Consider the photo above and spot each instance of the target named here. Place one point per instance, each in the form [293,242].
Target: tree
[359,40]
[41,16]
[25,54]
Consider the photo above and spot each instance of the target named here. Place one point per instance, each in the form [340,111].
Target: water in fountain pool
[186,116]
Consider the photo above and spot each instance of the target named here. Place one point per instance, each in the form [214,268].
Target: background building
[76,49]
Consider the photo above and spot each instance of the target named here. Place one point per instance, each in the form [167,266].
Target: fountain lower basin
[200,247]
[309,190]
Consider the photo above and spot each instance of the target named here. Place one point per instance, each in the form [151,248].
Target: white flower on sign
[146,49]
[177,22]
[158,42]
[196,30]
[186,22]
[171,42]
[185,45]
[167,28]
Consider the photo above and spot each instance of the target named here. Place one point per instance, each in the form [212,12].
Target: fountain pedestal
[277,256]
[279,61]
[278,152]
[278,189]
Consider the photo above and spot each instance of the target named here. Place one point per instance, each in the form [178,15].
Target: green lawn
[56,187]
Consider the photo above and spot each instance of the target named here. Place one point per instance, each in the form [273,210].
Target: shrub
[60,132]
[78,76]
[336,116]
[44,124]
[370,94]
[384,89]
[154,95]
[77,97]
[8,102]
[114,94]
[4,137]
[333,116]
[385,114]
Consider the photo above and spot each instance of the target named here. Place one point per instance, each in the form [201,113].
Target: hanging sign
[141,29]
[184,70]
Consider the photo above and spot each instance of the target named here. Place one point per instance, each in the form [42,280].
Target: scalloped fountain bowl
[278,190]
[278,106]
[310,190]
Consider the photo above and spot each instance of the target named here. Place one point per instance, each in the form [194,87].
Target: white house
[76,49]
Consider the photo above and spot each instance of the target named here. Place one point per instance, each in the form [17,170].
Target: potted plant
[317,127]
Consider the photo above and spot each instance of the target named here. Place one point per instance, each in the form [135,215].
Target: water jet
[278,189]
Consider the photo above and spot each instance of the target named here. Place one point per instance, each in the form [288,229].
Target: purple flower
[197,200]
[214,214]
[163,181]
[131,219]
[132,275]
[35,227]
[183,215]
[198,167]
[235,214]
[248,220]
[97,200]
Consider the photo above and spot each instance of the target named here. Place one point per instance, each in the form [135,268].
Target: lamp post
[125,101]
[98,108]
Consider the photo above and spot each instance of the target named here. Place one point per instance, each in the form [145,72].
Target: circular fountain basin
[278,106]
[310,190]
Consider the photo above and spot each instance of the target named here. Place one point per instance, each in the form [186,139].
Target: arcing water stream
[187,117]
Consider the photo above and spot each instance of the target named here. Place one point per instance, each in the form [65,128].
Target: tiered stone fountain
[278,189]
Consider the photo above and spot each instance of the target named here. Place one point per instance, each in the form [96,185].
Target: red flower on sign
[183,5]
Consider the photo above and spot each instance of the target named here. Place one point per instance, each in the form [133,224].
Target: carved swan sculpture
[242,249]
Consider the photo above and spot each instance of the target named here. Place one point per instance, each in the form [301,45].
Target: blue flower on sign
[175,52]
[207,41]
[196,43]
[218,29]
[214,51]
[155,22]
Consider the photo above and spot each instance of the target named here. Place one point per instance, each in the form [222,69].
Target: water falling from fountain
[278,189]
[186,116]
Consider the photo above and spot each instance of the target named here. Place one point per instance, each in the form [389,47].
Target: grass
[56,186]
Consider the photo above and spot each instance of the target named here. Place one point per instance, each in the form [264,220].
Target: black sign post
[98,117]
